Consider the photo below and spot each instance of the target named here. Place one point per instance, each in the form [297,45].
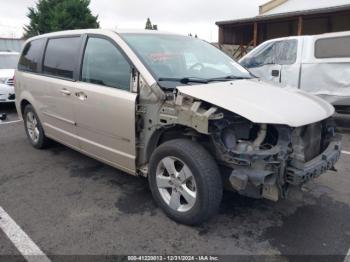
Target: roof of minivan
[102,31]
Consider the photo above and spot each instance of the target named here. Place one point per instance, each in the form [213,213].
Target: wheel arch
[23,105]
[24,99]
[168,133]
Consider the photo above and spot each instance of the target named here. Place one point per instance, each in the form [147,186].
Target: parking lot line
[345,152]
[347,258]
[10,122]
[29,250]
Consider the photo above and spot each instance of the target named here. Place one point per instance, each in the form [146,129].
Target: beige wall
[270,5]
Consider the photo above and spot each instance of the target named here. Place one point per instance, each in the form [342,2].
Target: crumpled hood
[263,103]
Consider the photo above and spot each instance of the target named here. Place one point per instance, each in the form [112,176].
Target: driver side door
[262,64]
[105,106]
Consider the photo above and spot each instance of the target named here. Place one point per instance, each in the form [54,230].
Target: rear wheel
[185,181]
[33,127]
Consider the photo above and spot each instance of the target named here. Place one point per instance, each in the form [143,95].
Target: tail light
[10,81]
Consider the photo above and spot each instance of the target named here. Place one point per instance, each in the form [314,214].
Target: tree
[57,15]
[149,25]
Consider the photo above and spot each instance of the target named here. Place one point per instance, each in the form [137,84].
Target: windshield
[172,57]
[8,61]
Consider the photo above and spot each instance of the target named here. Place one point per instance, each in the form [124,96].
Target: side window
[105,65]
[336,47]
[286,52]
[262,57]
[60,57]
[31,56]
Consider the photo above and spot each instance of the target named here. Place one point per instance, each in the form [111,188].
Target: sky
[179,16]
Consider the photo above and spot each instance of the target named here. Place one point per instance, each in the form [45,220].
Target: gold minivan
[176,110]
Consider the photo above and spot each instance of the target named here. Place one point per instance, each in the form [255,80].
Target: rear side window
[105,65]
[31,55]
[336,47]
[60,57]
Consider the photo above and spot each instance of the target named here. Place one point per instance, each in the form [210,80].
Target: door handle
[65,92]
[275,73]
[81,96]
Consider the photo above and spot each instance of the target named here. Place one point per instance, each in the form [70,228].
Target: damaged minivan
[176,110]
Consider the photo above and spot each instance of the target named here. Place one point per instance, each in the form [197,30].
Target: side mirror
[246,62]
[135,79]
[275,73]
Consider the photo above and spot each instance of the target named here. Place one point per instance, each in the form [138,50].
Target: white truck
[318,64]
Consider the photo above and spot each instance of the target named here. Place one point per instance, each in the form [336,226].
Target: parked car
[8,63]
[318,64]
[176,110]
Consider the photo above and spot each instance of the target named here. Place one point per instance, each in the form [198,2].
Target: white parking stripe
[347,258]
[345,152]
[20,239]
[10,122]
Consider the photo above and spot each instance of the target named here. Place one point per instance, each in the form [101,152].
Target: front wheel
[185,181]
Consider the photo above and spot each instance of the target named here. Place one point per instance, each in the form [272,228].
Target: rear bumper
[316,166]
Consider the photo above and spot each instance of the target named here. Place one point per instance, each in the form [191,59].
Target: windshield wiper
[185,80]
[228,78]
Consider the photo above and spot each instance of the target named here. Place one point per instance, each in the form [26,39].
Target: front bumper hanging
[317,166]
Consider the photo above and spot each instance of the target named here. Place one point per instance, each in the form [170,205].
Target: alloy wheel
[32,127]
[176,184]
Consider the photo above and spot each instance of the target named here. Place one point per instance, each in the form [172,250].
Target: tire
[193,202]
[34,129]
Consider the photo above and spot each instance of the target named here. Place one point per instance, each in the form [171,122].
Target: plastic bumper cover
[7,93]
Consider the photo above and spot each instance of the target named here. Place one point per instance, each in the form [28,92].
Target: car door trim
[60,118]
[110,135]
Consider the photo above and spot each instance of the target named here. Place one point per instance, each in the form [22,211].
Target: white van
[318,64]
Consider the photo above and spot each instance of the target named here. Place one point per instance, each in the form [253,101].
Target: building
[11,44]
[281,18]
